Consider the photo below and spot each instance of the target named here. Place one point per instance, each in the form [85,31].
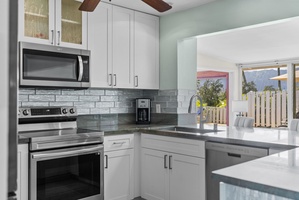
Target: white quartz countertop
[275,174]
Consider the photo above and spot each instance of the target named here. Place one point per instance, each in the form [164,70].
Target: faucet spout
[201,121]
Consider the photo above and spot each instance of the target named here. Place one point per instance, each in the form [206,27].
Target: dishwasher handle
[234,155]
[237,149]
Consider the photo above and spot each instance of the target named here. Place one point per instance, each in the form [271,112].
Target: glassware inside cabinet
[36,23]
[71,22]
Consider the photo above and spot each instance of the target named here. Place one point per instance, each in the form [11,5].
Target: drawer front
[175,145]
[118,142]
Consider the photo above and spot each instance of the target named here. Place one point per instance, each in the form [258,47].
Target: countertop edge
[256,186]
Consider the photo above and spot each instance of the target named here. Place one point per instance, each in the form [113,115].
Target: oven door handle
[80,68]
[65,153]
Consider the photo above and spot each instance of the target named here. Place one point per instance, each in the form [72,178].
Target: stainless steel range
[66,163]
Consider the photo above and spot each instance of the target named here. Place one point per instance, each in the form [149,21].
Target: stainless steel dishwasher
[219,155]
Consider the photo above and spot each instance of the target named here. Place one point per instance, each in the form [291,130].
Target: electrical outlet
[158,108]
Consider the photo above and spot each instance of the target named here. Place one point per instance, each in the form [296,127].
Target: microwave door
[40,68]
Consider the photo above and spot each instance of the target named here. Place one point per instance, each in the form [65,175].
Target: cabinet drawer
[118,142]
[174,145]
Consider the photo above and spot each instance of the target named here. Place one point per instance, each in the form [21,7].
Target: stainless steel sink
[189,130]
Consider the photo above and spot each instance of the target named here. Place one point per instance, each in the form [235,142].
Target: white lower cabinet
[118,170]
[186,178]
[167,175]
[22,190]
[154,175]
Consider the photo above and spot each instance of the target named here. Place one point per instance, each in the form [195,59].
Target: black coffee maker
[143,111]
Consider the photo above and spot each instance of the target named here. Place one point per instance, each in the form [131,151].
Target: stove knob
[64,111]
[72,110]
[25,112]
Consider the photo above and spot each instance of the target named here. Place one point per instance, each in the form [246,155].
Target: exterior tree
[269,88]
[211,92]
[248,87]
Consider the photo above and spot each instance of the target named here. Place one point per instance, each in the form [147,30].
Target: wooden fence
[269,109]
[215,115]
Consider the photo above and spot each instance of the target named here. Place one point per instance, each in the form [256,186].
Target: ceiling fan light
[89,5]
[159,5]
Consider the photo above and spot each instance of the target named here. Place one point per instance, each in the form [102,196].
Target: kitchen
[171,32]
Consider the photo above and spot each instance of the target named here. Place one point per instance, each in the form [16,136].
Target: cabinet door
[100,45]
[71,24]
[122,47]
[22,191]
[36,21]
[118,175]
[146,52]
[154,175]
[187,177]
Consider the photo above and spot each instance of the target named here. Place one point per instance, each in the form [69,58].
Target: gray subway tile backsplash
[73,92]
[23,97]
[27,91]
[105,101]
[50,91]
[109,98]
[35,104]
[66,98]
[41,97]
[89,98]
[84,104]
[104,104]
[94,92]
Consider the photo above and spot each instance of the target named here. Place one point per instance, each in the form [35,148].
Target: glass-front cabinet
[54,22]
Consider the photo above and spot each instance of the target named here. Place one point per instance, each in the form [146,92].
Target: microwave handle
[80,68]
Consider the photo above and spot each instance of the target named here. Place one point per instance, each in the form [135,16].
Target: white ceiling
[177,5]
[268,42]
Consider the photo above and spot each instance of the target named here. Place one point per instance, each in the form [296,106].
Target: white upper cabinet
[53,22]
[146,51]
[100,45]
[124,48]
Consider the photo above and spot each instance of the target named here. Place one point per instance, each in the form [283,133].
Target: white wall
[206,62]
[4,8]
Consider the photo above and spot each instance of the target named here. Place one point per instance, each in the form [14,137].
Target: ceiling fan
[159,5]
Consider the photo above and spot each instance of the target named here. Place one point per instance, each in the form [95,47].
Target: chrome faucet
[201,121]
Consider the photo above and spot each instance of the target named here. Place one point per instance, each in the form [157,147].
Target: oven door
[67,174]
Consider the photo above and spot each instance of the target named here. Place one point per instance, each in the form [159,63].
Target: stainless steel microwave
[52,66]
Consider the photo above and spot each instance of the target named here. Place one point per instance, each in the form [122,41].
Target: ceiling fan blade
[89,5]
[159,5]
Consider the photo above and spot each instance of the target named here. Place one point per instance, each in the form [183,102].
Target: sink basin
[190,130]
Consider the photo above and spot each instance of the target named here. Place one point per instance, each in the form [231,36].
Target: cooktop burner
[48,128]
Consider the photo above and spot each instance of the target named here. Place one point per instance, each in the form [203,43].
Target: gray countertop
[276,174]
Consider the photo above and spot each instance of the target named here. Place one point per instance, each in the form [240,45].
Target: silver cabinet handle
[165,161]
[136,81]
[110,80]
[106,156]
[118,143]
[170,162]
[65,153]
[114,79]
[52,33]
[80,68]
[58,38]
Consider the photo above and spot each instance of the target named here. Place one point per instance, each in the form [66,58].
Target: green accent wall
[213,17]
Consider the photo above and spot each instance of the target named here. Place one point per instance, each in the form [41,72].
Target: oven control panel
[47,112]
